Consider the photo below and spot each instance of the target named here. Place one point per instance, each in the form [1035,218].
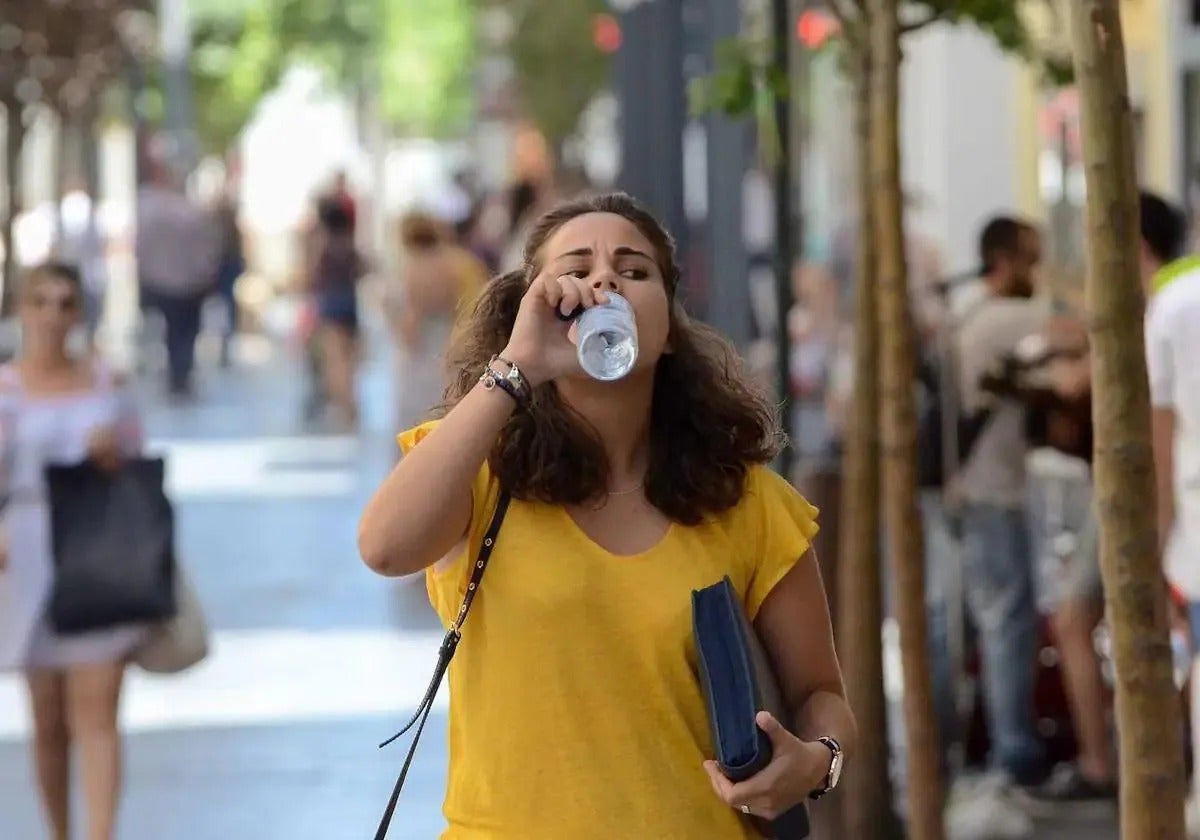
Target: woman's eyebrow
[623,251]
[578,252]
[632,252]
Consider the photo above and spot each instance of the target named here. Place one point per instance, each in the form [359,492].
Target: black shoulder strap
[445,654]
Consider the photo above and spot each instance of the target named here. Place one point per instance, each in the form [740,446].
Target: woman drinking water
[576,710]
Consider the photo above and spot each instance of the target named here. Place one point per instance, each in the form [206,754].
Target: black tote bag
[112,536]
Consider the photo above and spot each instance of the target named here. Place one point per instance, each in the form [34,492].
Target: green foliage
[426,65]
[745,81]
[558,67]
[236,58]
[417,52]
[744,75]
[1003,22]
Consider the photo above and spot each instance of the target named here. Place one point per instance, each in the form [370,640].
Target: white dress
[36,431]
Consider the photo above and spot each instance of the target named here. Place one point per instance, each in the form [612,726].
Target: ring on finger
[745,809]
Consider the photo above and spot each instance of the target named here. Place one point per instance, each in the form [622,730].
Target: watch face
[835,770]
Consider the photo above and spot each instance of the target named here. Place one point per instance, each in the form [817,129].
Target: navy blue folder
[738,682]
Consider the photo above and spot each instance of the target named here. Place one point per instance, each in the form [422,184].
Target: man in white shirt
[1172,278]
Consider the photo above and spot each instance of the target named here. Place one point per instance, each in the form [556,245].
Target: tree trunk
[1147,705]
[897,373]
[867,798]
[14,142]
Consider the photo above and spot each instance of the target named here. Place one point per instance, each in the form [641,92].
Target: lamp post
[784,221]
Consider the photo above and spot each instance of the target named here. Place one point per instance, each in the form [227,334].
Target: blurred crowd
[1019,649]
[441,255]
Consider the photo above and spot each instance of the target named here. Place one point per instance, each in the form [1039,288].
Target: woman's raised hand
[540,344]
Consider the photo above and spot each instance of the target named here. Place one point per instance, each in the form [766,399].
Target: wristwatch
[835,768]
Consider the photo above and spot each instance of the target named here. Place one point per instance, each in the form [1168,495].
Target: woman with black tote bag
[59,409]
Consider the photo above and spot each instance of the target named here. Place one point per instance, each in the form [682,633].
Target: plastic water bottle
[606,338]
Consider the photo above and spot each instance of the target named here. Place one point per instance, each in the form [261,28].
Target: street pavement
[314,660]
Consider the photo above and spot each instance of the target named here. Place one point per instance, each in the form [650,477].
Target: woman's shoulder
[763,484]
[770,502]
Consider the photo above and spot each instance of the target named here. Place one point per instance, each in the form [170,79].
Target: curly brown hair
[709,424]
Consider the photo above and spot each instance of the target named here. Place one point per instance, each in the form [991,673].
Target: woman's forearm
[826,714]
[423,508]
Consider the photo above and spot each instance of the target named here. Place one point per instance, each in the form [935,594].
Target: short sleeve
[1160,364]
[485,492]
[783,524]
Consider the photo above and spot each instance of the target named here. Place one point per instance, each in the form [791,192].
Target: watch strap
[829,783]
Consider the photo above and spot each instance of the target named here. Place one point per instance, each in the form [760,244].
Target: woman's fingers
[576,293]
[567,293]
[551,290]
[755,793]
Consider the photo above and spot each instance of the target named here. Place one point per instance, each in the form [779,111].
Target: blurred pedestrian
[176,256]
[1050,375]
[339,193]
[59,409]
[990,493]
[526,202]
[626,497]
[231,264]
[439,278]
[1172,279]
[338,268]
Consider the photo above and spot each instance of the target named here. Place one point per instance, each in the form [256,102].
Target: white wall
[1185,56]
[959,136]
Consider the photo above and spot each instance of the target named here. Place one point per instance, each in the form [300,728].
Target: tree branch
[839,12]
[849,23]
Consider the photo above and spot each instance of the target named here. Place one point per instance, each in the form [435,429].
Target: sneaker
[1067,783]
[989,809]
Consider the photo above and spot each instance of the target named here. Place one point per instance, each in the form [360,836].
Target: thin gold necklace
[610,493]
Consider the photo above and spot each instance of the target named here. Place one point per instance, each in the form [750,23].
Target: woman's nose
[606,282]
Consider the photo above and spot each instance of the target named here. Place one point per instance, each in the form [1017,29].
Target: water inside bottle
[607,354]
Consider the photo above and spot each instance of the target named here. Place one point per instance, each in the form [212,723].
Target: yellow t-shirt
[575,708]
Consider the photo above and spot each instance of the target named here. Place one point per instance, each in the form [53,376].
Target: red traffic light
[814,28]
[606,33]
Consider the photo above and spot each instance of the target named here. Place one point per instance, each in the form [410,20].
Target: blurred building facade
[984,133]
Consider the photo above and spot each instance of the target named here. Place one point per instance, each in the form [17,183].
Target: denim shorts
[1064,530]
[338,308]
